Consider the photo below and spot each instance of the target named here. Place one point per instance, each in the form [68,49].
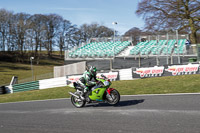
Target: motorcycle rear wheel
[77,102]
[115,98]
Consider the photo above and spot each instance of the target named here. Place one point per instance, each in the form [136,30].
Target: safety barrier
[123,74]
[53,82]
[34,85]
[2,90]
[158,71]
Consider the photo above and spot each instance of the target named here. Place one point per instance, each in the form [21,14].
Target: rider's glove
[97,82]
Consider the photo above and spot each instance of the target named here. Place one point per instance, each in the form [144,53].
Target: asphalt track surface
[134,114]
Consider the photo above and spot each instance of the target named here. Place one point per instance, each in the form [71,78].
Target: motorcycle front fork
[108,95]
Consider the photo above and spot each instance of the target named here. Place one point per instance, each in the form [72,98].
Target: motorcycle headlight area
[106,83]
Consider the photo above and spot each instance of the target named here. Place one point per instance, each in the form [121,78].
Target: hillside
[11,66]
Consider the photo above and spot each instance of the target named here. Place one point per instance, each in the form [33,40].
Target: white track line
[36,101]
[171,94]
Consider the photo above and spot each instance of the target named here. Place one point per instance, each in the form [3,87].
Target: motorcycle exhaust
[73,94]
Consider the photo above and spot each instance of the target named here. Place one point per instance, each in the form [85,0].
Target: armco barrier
[3,90]
[123,74]
[34,85]
[53,82]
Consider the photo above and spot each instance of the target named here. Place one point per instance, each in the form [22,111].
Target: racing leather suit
[86,79]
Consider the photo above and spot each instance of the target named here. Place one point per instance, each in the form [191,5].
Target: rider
[87,79]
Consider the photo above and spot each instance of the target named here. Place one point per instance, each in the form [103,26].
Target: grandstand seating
[168,49]
[180,49]
[98,50]
[111,49]
[136,50]
[161,48]
[158,48]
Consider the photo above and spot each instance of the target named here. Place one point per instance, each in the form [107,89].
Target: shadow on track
[120,104]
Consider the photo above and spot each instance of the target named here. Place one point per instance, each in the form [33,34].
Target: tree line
[22,33]
[171,15]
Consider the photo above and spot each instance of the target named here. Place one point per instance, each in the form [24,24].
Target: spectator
[187,43]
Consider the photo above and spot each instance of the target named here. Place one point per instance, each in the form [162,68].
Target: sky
[79,12]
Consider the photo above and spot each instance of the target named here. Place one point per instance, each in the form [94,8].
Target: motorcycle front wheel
[114,97]
[77,102]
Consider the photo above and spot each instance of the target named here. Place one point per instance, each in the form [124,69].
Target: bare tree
[135,33]
[73,37]
[21,26]
[95,30]
[5,17]
[11,42]
[176,14]
[36,33]
[53,22]
[64,33]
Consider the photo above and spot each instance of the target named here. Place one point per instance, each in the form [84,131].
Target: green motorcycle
[96,94]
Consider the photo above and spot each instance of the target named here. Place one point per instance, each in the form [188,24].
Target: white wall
[53,82]
[125,74]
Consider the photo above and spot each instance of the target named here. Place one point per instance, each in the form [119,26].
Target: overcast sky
[83,11]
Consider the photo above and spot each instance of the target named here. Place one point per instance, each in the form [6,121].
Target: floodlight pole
[114,23]
[111,61]
[32,58]
[167,49]
[139,60]
[111,64]
[178,47]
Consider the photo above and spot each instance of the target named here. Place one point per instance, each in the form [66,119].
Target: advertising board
[183,69]
[166,71]
[150,71]
[111,75]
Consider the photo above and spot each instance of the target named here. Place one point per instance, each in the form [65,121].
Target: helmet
[92,70]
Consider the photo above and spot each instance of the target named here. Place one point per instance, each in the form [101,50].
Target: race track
[134,114]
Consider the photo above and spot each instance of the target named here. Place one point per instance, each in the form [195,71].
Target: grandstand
[163,47]
[96,50]
[161,50]
[99,50]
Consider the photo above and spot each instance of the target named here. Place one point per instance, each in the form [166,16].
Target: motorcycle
[100,93]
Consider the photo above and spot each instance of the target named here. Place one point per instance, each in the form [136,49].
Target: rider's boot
[83,95]
[87,97]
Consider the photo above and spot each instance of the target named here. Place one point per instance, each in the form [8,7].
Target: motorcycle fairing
[109,90]
[97,94]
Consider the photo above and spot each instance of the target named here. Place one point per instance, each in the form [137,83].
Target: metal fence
[164,37]
[75,68]
[110,39]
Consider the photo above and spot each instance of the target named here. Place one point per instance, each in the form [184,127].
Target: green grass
[52,93]
[159,85]
[23,71]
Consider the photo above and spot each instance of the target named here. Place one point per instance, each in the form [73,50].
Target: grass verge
[159,85]
[23,71]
